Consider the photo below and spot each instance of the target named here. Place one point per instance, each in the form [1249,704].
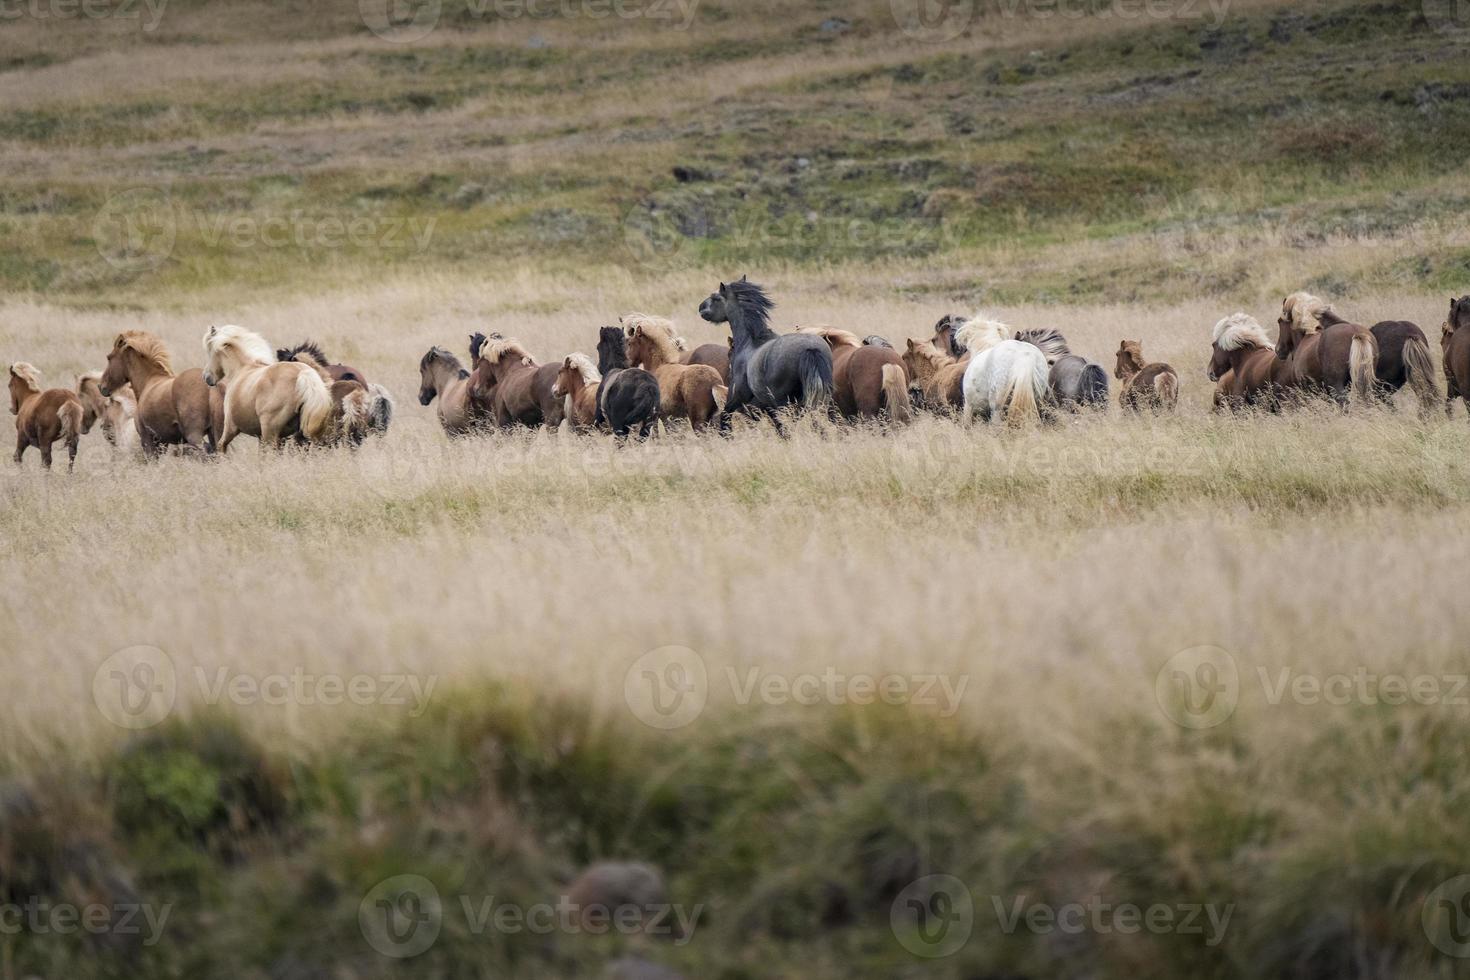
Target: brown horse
[867,382]
[442,376]
[359,409]
[1242,350]
[516,389]
[1455,342]
[1224,399]
[1145,386]
[686,391]
[1403,359]
[266,398]
[716,356]
[172,409]
[944,332]
[42,417]
[577,382]
[1326,352]
[309,352]
[114,411]
[937,377]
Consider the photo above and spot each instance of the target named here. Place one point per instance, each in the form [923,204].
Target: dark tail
[1094,386]
[1421,374]
[815,368]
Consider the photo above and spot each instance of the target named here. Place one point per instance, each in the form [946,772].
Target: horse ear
[745,278]
[723,287]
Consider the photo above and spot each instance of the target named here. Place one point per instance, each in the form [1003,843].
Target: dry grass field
[1153,696]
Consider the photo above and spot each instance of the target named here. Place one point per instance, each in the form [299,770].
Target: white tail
[896,394]
[721,394]
[1167,385]
[1362,365]
[316,405]
[1025,388]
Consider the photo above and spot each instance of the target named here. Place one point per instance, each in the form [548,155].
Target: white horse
[266,398]
[1006,377]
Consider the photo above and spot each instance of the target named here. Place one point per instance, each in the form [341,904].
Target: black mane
[309,348]
[754,304]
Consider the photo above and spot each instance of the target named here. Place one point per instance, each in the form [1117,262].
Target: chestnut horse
[867,381]
[1403,359]
[42,417]
[686,391]
[114,411]
[1145,386]
[512,386]
[309,352]
[577,382]
[1455,341]
[937,377]
[442,376]
[264,397]
[1326,352]
[172,409]
[1241,349]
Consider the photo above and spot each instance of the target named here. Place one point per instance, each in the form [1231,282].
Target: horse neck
[656,354]
[748,331]
[1132,367]
[22,393]
[142,371]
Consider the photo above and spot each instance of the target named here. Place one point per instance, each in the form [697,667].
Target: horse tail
[1421,374]
[1025,388]
[316,406]
[1362,361]
[896,394]
[1094,386]
[71,414]
[815,369]
[721,394]
[380,412]
[1167,385]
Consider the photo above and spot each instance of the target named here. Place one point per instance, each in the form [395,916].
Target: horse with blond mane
[868,381]
[509,383]
[269,399]
[42,417]
[686,391]
[172,409]
[1325,351]
[938,378]
[1006,378]
[577,382]
[115,411]
[1241,349]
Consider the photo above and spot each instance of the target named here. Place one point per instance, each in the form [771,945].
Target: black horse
[628,397]
[767,371]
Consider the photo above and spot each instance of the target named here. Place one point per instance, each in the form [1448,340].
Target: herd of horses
[645,374]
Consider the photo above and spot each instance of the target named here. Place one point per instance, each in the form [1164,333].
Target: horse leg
[270,435]
[775,418]
[71,454]
[231,431]
[45,448]
[21,444]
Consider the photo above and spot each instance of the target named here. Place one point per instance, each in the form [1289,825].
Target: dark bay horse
[767,371]
[1455,341]
[628,397]
[509,383]
[1403,359]
[868,381]
[1326,352]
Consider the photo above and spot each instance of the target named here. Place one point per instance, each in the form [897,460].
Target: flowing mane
[658,332]
[927,351]
[496,349]
[93,376]
[753,302]
[309,348]
[979,334]
[1241,330]
[834,337]
[583,365]
[149,347]
[1305,311]
[1049,339]
[440,354]
[246,346]
[28,375]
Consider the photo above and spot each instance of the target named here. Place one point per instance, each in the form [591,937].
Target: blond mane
[927,351]
[1241,330]
[660,334]
[1304,311]
[834,337]
[583,365]
[28,375]
[979,334]
[496,350]
[149,347]
[247,346]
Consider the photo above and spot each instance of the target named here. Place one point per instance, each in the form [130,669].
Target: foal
[686,391]
[938,378]
[42,417]
[1145,386]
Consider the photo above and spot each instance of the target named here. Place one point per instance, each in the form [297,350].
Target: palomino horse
[938,378]
[867,382]
[1241,349]
[1455,341]
[266,398]
[628,397]
[577,382]
[1007,378]
[512,386]
[442,376]
[1326,351]
[114,411]
[172,409]
[42,417]
[1145,386]
[686,391]
[767,372]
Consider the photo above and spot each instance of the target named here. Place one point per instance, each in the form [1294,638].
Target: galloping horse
[577,382]
[628,397]
[172,409]
[1006,377]
[266,398]
[686,391]
[516,389]
[1145,385]
[1241,349]
[767,371]
[938,378]
[1326,351]
[442,376]
[1455,341]
[42,417]
[361,408]
[309,352]
[867,381]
